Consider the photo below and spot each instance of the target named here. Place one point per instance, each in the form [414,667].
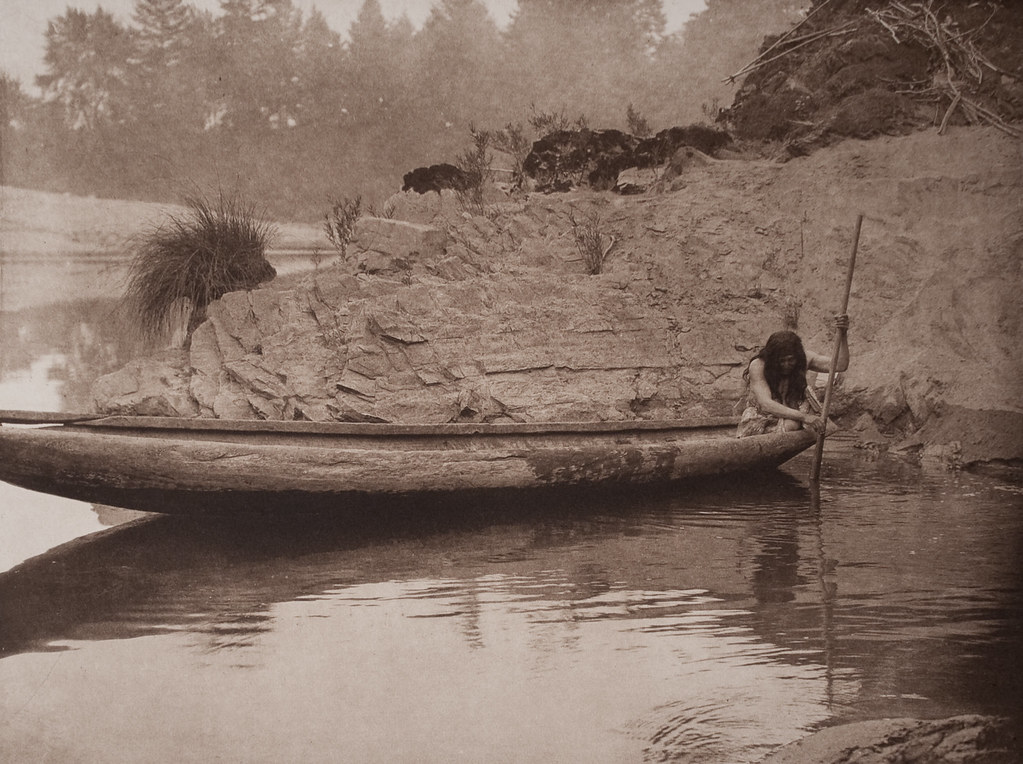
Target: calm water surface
[706,626]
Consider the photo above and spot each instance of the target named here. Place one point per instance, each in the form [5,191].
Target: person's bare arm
[818,362]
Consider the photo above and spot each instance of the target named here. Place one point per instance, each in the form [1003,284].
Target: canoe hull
[226,471]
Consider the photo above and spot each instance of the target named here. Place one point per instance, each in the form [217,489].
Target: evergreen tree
[163,28]
[87,102]
[459,66]
[168,67]
[379,122]
[590,57]
[321,76]
[86,60]
[258,44]
[13,101]
[374,83]
[12,108]
[693,64]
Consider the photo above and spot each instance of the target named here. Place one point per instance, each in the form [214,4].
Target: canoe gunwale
[389,429]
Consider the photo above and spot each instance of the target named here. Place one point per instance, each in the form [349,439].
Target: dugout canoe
[214,466]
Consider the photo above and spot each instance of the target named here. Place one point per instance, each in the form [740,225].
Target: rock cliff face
[439,315]
[427,330]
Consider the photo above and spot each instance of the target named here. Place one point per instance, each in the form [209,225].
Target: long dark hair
[779,345]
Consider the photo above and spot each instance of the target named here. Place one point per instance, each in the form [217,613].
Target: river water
[707,625]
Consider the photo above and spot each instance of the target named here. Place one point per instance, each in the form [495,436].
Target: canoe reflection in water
[222,575]
[598,597]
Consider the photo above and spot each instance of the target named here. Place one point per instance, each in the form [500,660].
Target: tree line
[267,102]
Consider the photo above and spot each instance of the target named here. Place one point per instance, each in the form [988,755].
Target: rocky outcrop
[436,177]
[447,315]
[568,159]
[968,739]
[358,348]
[156,386]
[391,246]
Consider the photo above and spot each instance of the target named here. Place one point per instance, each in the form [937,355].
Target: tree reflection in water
[79,340]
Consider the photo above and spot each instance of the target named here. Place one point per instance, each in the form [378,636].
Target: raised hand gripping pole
[815,467]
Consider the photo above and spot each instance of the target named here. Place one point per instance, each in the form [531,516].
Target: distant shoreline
[42,224]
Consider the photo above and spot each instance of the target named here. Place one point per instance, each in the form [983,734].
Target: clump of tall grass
[192,259]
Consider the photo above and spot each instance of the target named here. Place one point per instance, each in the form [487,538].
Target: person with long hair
[777,397]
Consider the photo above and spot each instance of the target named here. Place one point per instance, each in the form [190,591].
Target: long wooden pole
[815,468]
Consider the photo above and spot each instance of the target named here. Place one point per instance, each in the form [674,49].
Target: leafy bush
[192,259]
[874,111]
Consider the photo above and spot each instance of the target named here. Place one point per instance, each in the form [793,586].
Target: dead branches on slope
[964,65]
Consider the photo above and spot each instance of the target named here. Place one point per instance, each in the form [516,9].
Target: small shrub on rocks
[340,222]
[547,122]
[637,123]
[476,166]
[512,140]
[589,240]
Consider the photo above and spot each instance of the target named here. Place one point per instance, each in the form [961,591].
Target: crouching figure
[777,395]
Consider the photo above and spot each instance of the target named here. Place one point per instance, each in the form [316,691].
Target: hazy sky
[23,22]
